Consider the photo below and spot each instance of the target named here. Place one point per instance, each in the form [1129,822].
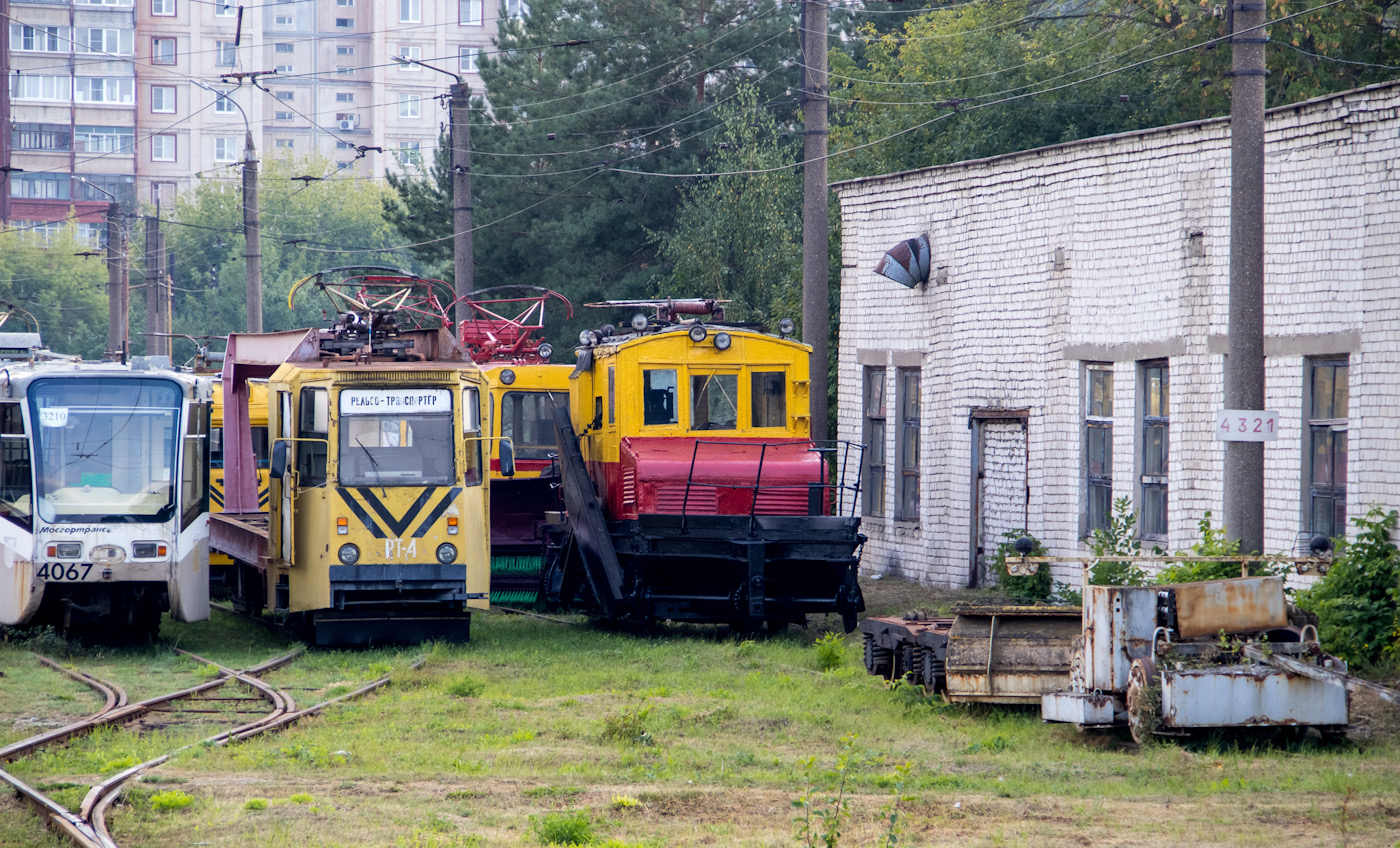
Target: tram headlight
[65,550]
[507,376]
[546,351]
[585,338]
[639,322]
[698,333]
[447,553]
[786,326]
[722,341]
[147,550]
[349,554]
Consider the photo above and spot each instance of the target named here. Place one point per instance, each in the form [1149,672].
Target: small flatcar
[104,497]
[693,489]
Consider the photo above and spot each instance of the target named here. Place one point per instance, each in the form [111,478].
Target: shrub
[629,726]
[1119,538]
[1031,586]
[1356,602]
[466,687]
[255,804]
[1213,543]
[568,828]
[831,651]
[170,799]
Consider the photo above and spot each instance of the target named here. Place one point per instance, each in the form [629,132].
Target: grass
[532,722]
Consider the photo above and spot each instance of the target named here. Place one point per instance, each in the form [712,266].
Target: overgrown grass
[730,723]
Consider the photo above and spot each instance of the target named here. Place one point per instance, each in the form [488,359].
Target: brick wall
[1116,250]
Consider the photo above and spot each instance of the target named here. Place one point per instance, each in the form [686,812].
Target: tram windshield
[396,437]
[527,420]
[104,448]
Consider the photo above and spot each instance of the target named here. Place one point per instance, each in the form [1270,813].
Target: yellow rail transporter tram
[377,525]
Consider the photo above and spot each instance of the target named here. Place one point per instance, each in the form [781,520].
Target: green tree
[64,292]
[738,235]
[307,226]
[580,92]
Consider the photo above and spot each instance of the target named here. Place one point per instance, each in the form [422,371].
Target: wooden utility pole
[157,343]
[1244,367]
[815,313]
[252,234]
[116,259]
[463,280]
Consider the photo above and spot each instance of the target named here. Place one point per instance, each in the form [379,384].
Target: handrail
[841,486]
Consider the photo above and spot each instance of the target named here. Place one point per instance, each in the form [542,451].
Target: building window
[1098,446]
[284,143]
[1154,422]
[225,9]
[104,90]
[344,70]
[409,52]
[345,23]
[226,54]
[226,148]
[345,97]
[282,69]
[223,103]
[284,47]
[1328,400]
[162,148]
[116,41]
[468,59]
[163,8]
[42,137]
[163,193]
[344,50]
[162,51]
[517,8]
[163,99]
[32,87]
[344,3]
[409,106]
[43,39]
[873,434]
[343,145]
[285,96]
[281,116]
[410,11]
[469,12]
[104,139]
[40,186]
[410,153]
[907,506]
[282,20]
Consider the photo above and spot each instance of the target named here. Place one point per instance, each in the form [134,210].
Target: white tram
[104,496]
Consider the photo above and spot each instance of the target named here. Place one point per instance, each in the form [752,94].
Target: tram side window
[194,477]
[314,426]
[471,428]
[768,393]
[260,446]
[15,478]
[714,401]
[659,397]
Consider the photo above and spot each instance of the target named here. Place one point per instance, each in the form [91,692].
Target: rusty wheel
[1144,700]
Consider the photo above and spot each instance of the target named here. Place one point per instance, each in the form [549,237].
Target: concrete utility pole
[463,272]
[1244,368]
[252,234]
[157,344]
[815,314]
[116,260]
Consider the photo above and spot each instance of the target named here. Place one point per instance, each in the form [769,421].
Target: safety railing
[837,456]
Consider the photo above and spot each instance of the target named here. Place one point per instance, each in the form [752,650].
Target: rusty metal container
[1248,696]
[1240,605]
[1010,653]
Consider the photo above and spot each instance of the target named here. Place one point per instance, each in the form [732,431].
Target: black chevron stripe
[437,512]
[399,526]
[360,513]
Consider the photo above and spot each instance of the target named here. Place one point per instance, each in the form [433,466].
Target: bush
[629,726]
[466,687]
[1032,586]
[831,651]
[170,799]
[1356,602]
[1120,538]
[1213,543]
[570,828]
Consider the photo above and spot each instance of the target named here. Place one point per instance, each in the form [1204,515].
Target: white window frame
[166,90]
[163,8]
[475,13]
[156,43]
[225,9]
[410,11]
[223,102]
[159,141]
[468,59]
[225,54]
[410,105]
[410,51]
[226,148]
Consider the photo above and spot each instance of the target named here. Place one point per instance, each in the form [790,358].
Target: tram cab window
[313,425]
[471,428]
[527,420]
[396,448]
[15,483]
[768,394]
[659,397]
[714,401]
[260,446]
[194,480]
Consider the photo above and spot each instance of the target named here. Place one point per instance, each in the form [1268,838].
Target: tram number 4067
[71,572]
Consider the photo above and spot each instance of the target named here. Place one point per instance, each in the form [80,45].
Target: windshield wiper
[375,465]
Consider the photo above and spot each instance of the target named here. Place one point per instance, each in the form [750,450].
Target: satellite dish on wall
[907,263]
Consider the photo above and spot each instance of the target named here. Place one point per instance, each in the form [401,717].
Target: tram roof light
[639,322]
[722,341]
[787,326]
[585,338]
[507,376]
[546,350]
[697,332]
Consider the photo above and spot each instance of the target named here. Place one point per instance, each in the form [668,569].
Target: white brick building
[1103,265]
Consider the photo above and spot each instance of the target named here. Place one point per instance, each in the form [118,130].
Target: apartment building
[139,99]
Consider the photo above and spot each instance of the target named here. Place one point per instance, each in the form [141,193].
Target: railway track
[88,827]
